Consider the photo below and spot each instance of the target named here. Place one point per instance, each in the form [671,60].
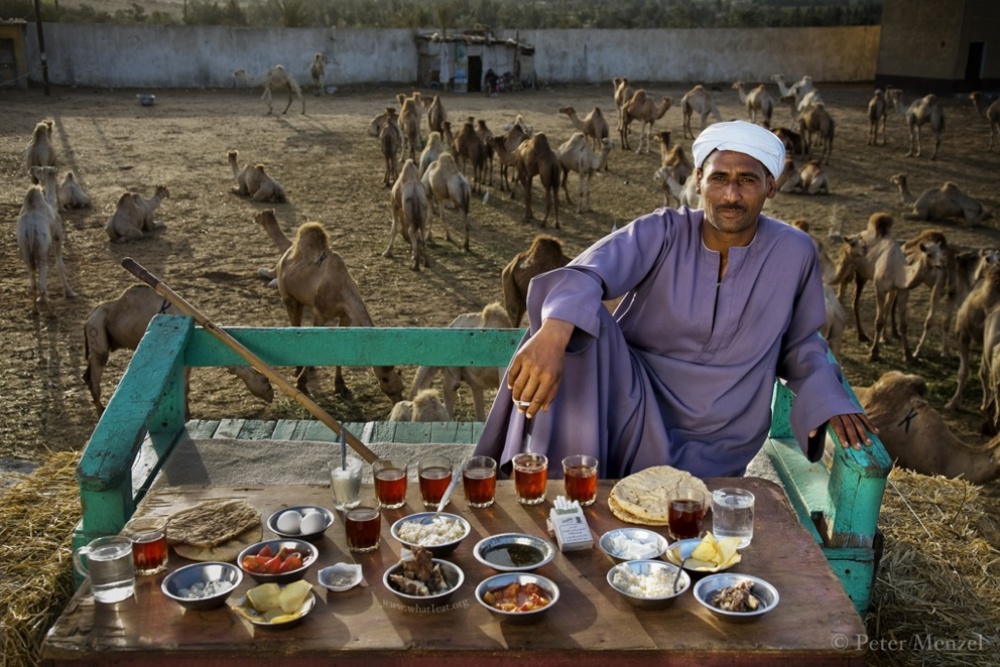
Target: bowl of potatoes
[273,605]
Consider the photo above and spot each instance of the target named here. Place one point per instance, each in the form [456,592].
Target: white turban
[742,137]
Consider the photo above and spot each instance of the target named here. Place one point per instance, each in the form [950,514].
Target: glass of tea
[530,475]
[434,475]
[479,479]
[390,482]
[363,526]
[686,512]
[149,544]
[580,478]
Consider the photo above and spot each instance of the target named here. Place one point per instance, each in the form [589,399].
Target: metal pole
[41,45]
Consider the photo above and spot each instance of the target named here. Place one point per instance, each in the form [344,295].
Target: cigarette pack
[569,525]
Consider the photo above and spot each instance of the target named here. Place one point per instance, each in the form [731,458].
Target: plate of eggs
[306,522]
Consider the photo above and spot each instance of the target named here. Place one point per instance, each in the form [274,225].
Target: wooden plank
[201,429]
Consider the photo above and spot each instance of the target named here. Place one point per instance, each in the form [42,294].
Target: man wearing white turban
[716,304]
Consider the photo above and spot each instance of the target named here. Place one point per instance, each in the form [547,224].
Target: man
[717,304]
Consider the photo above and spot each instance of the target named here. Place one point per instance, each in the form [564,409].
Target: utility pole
[41,45]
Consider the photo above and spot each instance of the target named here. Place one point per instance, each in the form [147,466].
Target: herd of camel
[432,176]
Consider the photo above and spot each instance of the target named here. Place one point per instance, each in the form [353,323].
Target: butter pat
[569,525]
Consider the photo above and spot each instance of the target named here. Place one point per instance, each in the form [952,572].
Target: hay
[936,600]
[37,518]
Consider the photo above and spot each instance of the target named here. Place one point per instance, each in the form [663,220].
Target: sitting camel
[641,107]
[426,406]
[810,180]
[274,79]
[125,224]
[791,139]
[120,324]
[575,154]
[939,204]
[545,254]
[817,121]
[700,101]
[756,101]
[252,181]
[311,274]
[921,112]
[317,71]
[40,151]
[445,183]
[593,125]
[992,115]
[148,206]
[970,323]
[623,93]
[917,437]
[71,195]
[409,214]
[478,378]
[534,157]
[877,114]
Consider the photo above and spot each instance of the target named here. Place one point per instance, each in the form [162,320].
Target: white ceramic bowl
[340,577]
[706,589]
[640,569]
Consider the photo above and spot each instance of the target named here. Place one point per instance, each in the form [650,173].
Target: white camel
[756,101]
[409,214]
[623,93]
[920,112]
[426,406]
[444,183]
[700,101]
[275,79]
[39,231]
[41,152]
[575,154]
[992,114]
[71,195]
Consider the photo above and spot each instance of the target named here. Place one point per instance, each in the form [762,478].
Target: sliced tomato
[292,562]
[273,565]
[266,551]
[249,563]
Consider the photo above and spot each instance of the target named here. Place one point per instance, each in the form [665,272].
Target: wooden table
[815,623]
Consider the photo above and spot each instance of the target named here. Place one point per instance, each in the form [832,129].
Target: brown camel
[445,183]
[253,181]
[817,121]
[921,112]
[947,201]
[641,107]
[390,138]
[593,125]
[623,93]
[545,254]
[504,147]
[992,115]
[468,148]
[276,78]
[757,101]
[317,71]
[120,324]
[791,139]
[311,274]
[877,115]
[436,113]
[970,323]
[700,101]
[810,180]
[534,157]
[409,123]
[486,137]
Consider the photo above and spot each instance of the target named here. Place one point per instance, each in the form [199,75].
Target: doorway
[475,74]
[974,65]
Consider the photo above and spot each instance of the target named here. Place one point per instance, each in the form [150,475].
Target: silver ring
[522,404]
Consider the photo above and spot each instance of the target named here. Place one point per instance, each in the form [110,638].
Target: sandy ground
[211,248]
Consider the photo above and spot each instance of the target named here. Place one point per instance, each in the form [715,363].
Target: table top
[815,622]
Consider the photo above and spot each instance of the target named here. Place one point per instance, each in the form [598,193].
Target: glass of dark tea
[363,526]
[390,482]
[686,512]
[479,479]
[580,478]
[530,475]
[149,544]
[434,474]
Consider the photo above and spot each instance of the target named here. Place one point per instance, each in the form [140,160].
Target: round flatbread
[227,551]
[620,513]
[644,496]
[212,523]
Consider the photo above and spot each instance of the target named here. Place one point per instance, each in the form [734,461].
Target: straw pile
[936,599]
[37,517]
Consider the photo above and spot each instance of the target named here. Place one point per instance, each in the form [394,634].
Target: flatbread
[228,551]
[212,523]
[643,497]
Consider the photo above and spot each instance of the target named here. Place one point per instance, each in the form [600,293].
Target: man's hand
[852,430]
[537,368]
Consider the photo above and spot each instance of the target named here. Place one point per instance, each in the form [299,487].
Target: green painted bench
[145,418]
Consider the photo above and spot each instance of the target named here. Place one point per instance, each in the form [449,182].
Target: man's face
[733,188]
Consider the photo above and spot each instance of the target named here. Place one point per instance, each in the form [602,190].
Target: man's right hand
[537,368]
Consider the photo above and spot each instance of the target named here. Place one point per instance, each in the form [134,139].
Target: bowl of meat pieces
[422,580]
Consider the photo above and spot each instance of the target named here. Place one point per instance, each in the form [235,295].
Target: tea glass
[390,482]
[479,480]
[149,544]
[686,512]
[530,476]
[580,478]
[434,475]
[363,526]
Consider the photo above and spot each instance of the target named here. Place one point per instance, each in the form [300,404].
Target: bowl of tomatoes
[280,561]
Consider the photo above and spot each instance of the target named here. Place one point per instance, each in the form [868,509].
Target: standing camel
[700,101]
[877,114]
[317,71]
[992,115]
[468,148]
[593,125]
[276,78]
[575,154]
[40,151]
[921,112]
[642,108]
[535,157]
[445,183]
[409,214]
[545,254]
[817,121]
[970,322]
[389,140]
[623,93]
[756,101]
[409,123]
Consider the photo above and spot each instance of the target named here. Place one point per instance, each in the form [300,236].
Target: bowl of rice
[648,584]
[439,533]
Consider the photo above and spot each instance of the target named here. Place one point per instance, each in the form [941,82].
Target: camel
[937,281]
[426,406]
[40,151]
[970,323]
[478,378]
[795,95]
[34,240]
[992,115]
[409,214]
[433,149]
[919,113]
[269,222]
[816,120]
[445,183]
[939,204]
[504,147]
[446,136]
[575,154]
[641,107]
[809,181]
[120,324]
[486,137]
[71,195]
[254,182]
[311,274]
[148,206]
[545,254]
[674,163]
[623,93]
[791,139]
[316,72]
[535,157]
[390,139]
[917,437]
[275,79]
[593,125]
[125,224]
[836,316]
[409,123]
[756,101]
[468,147]
[877,114]
[436,113]
[966,267]
[698,100]
[685,193]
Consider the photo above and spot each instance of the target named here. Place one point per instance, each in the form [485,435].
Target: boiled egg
[313,522]
[290,522]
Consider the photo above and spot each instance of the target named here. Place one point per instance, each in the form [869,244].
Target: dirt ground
[332,170]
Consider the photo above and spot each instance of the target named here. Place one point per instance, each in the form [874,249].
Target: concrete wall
[205,56]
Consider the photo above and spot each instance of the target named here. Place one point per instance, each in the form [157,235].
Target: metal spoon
[677,577]
[447,492]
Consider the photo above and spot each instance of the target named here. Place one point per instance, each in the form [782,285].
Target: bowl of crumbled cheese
[650,584]
[202,585]
[438,533]
[633,544]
